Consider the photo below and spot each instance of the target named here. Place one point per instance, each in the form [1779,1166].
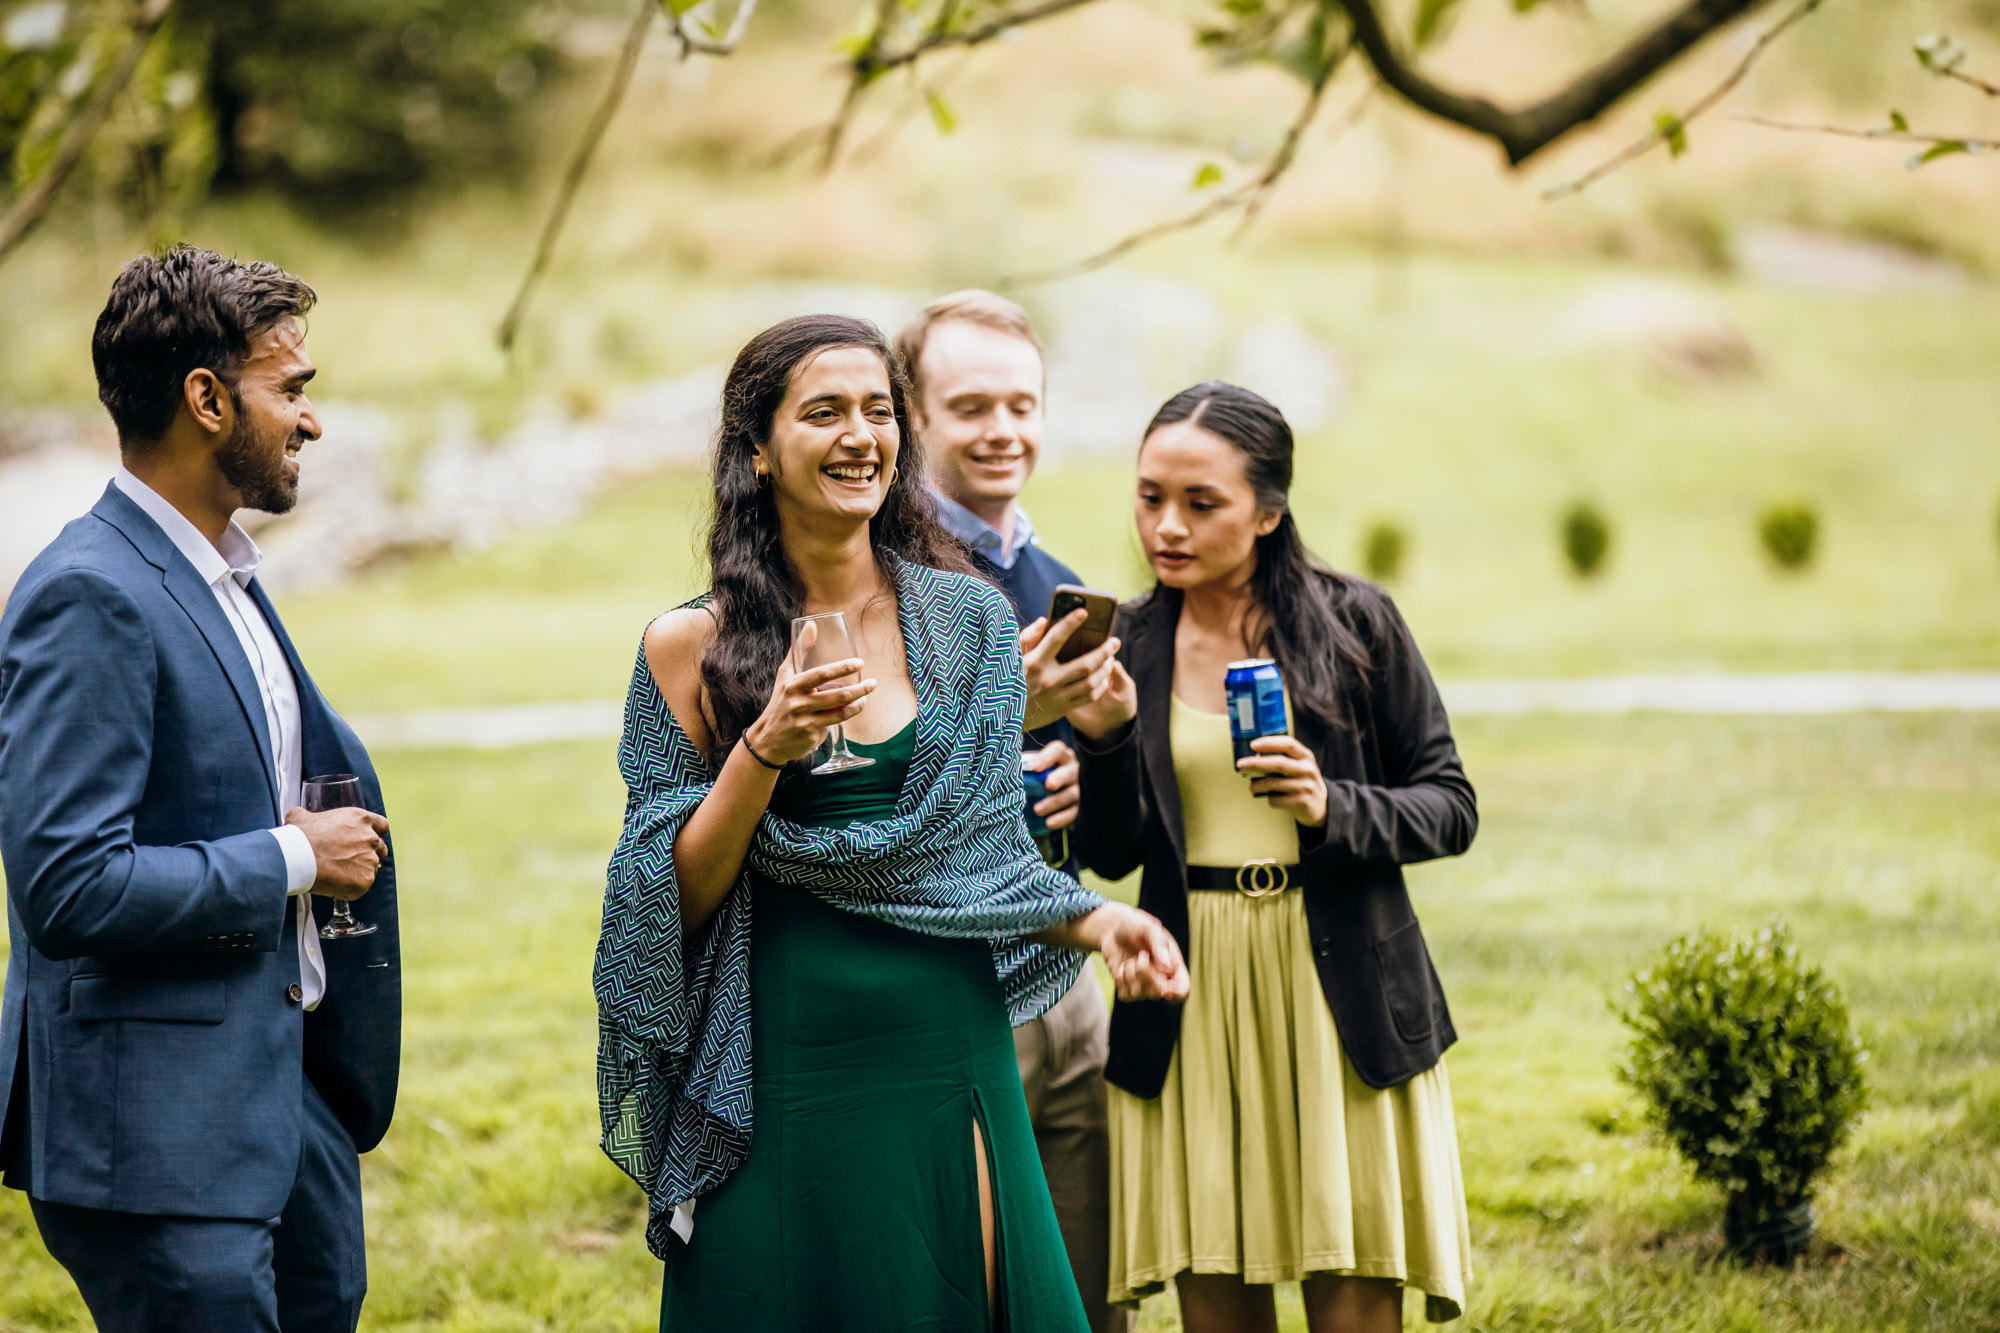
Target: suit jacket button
[295,993]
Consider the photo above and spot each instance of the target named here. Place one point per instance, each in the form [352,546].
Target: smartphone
[1101,607]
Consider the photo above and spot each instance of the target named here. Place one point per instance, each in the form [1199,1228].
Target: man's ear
[208,401]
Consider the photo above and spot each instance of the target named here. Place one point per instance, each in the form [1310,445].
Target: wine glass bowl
[336,791]
[817,641]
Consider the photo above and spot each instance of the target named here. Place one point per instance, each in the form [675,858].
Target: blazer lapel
[197,599]
[1151,662]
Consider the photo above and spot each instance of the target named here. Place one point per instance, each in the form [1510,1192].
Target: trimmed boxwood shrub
[1382,552]
[1790,534]
[1746,1061]
[1586,538]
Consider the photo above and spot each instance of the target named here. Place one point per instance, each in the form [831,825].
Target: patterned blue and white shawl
[673,1056]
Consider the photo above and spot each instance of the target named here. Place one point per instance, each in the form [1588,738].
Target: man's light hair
[972,306]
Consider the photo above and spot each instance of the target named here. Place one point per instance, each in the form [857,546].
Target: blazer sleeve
[1425,808]
[77,682]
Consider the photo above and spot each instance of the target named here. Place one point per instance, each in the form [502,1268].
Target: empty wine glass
[336,791]
[816,641]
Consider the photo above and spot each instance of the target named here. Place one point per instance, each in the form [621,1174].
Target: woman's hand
[1112,709]
[1285,771]
[1145,962]
[1055,688]
[1058,810]
[804,706]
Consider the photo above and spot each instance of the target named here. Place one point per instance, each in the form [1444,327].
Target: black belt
[1252,879]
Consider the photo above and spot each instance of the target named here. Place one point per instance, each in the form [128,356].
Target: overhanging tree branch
[593,135]
[1524,132]
[1248,198]
[83,128]
[1671,129]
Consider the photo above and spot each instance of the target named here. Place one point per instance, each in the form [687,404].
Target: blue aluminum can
[1256,700]
[1053,844]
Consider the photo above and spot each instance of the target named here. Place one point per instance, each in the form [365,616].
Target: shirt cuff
[301,866]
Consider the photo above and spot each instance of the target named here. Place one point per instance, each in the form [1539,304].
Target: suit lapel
[198,600]
[1151,662]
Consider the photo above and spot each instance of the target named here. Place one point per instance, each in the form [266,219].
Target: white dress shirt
[227,568]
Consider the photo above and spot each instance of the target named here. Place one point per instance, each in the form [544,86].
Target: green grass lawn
[490,1207]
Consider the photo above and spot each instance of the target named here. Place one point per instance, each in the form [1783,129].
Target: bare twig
[692,44]
[1249,197]
[873,59]
[1972,81]
[1640,147]
[83,127]
[593,135]
[939,36]
[1523,133]
[863,72]
[1885,133]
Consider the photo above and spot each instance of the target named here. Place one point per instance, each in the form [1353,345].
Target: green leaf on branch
[1898,122]
[1206,176]
[1949,148]
[1673,129]
[680,7]
[854,45]
[942,115]
[1431,15]
[1243,8]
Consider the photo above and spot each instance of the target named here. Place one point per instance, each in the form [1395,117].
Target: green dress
[876,1051]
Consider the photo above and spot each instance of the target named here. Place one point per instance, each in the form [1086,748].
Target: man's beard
[259,477]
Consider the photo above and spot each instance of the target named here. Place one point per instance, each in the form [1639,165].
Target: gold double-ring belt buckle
[1262,878]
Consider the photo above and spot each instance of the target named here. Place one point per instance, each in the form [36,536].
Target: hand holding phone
[1067,656]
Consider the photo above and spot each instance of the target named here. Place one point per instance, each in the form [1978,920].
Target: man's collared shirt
[227,570]
[982,536]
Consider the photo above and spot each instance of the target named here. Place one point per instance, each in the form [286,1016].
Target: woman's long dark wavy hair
[754,592]
[1295,594]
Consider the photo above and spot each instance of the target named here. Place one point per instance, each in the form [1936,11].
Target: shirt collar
[982,536]
[237,557]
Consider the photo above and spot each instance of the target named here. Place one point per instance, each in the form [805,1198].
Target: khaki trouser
[1061,1055]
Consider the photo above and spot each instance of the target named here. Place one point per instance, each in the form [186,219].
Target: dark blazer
[1396,794]
[1028,586]
[150,1043]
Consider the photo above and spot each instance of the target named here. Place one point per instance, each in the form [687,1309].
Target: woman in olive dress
[841,952]
[1292,1122]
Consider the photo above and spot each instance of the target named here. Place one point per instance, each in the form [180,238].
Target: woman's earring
[763,481]
[892,476]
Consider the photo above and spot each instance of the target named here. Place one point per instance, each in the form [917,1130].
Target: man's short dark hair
[176,312]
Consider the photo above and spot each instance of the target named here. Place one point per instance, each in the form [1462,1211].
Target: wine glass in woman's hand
[823,640]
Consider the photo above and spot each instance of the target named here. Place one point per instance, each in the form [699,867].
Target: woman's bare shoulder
[675,645]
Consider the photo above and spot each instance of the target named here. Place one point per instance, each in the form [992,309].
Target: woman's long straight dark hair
[1294,593]
[754,591]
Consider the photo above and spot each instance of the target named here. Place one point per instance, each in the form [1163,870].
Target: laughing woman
[1292,1122]
[839,951]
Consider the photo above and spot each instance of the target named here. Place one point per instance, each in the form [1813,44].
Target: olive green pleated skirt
[1265,1155]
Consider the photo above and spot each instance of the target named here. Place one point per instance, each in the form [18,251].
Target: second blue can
[1255,690]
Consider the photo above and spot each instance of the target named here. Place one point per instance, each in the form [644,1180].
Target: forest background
[1743,316]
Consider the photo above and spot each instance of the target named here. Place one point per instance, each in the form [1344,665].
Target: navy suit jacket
[150,1043]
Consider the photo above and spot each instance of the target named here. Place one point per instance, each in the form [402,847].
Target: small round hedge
[1382,552]
[1790,534]
[1748,1064]
[1586,538]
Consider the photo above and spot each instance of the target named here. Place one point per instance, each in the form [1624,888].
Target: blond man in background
[977,384]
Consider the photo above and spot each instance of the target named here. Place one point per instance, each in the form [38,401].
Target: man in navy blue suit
[976,375]
[187,1075]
